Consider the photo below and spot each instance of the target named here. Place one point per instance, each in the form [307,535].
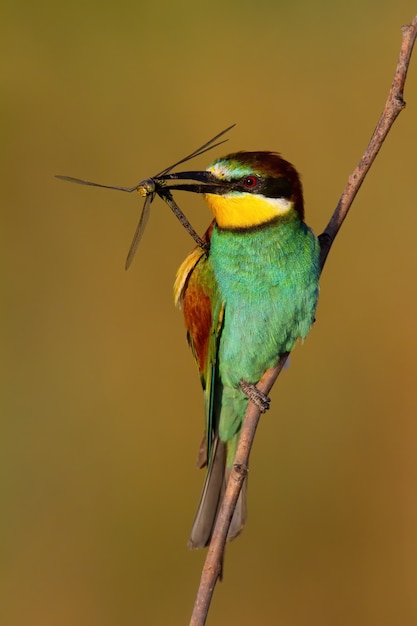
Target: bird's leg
[256,395]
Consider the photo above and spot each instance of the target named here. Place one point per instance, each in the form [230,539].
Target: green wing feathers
[196,291]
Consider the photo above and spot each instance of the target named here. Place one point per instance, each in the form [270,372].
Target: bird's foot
[255,395]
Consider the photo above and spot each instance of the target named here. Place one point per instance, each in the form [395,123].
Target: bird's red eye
[250,182]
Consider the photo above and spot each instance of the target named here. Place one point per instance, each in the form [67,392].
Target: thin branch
[393,107]
[212,566]
[214,559]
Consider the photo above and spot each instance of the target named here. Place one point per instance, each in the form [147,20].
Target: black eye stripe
[269,187]
[276,188]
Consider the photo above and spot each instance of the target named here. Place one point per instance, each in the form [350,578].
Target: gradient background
[102,409]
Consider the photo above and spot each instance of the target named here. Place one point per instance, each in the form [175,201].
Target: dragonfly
[156,185]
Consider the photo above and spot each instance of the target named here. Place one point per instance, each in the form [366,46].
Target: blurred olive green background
[102,409]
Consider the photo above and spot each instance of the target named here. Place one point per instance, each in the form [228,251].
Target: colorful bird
[247,297]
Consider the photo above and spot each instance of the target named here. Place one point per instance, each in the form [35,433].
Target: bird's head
[248,189]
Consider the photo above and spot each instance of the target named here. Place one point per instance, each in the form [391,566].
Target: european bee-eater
[247,296]
[248,291]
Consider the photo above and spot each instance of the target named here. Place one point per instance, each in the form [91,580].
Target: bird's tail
[213,490]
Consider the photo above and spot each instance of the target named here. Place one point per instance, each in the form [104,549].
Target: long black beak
[208,182]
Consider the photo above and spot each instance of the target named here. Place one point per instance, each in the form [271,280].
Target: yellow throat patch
[245,210]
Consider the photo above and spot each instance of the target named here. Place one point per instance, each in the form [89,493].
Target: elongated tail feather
[211,497]
[239,516]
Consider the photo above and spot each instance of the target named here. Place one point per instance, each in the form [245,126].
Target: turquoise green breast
[268,279]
